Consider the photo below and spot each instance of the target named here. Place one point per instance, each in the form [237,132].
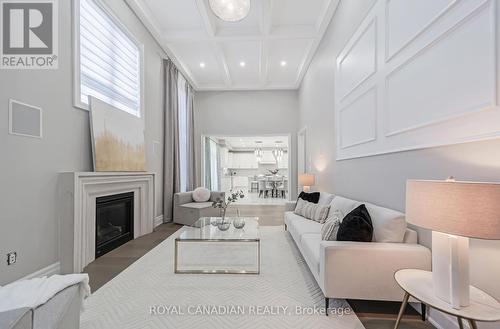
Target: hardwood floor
[373,315]
[106,267]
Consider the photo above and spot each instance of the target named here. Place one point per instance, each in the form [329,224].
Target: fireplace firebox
[114,222]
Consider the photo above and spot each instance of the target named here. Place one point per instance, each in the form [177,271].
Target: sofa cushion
[298,225]
[325,198]
[388,225]
[201,194]
[311,197]
[311,247]
[309,210]
[197,205]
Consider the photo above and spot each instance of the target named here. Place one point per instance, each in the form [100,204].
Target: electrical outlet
[11,258]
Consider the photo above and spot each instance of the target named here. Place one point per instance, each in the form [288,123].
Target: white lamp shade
[306,180]
[469,209]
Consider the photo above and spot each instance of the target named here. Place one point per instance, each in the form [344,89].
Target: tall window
[212,165]
[183,132]
[109,60]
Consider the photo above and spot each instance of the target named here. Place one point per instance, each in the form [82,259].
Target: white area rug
[267,300]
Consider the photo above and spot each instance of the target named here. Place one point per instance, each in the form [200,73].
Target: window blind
[109,60]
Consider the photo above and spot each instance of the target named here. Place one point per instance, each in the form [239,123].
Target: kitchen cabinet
[243,160]
[240,182]
[226,183]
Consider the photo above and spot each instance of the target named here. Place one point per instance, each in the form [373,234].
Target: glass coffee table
[205,249]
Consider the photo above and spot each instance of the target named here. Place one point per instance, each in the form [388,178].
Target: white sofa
[358,270]
[60,312]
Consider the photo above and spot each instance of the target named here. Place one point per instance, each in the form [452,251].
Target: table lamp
[306,181]
[455,211]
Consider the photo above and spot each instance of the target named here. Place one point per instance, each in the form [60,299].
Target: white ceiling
[249,142]
[274,31]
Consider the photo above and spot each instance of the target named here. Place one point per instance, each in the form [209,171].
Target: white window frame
[76,56]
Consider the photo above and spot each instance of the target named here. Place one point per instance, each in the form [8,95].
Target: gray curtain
[191,154]
[171,158]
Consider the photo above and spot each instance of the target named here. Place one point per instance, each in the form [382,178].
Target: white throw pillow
[309,210]
[325,198]
[344,205]
[201,194]
[388,225]
[331,227]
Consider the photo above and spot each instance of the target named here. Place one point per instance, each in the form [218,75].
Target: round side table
[418,284]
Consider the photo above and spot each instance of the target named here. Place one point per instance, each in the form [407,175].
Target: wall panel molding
[440,12]
[486,87]
[440,87]
[365,38]
[366,105]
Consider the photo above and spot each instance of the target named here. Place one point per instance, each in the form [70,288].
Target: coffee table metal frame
[176,256]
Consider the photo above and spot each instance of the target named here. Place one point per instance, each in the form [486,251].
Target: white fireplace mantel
[78,192]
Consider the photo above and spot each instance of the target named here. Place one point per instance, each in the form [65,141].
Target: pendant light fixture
[278,151]
[258,151]
[230,10]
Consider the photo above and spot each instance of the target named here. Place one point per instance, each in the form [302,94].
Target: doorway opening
[257,165]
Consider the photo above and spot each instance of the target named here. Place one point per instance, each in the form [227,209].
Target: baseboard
[439,319]
[158,220]
[46,271]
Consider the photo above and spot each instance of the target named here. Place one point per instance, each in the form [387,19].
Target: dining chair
[253,183]
[283,188]
[270,186]
[262,188]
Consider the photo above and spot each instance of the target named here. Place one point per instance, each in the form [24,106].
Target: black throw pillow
[356,226]
[311,197]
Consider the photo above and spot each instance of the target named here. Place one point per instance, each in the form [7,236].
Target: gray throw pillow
[312,211]
[331,227]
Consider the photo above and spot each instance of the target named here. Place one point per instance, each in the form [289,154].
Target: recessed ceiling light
[283,63]
[202,65]
[242,64]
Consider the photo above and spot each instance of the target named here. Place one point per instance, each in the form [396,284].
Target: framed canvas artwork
[118,142]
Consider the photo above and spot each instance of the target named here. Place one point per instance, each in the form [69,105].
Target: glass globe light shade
[230,10]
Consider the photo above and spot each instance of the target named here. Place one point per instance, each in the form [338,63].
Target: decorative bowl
[224,225]
[239,223]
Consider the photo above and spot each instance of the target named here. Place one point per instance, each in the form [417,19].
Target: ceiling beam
[266,17]
[208,20]
[222,60]
[258,86]
[264,62]
[242,34]
[211,28]
[144,15]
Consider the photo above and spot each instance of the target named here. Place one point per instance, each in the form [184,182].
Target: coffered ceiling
[270,49]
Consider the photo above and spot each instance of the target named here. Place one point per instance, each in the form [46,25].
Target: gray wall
[381,179]
[247,113]
[29,167]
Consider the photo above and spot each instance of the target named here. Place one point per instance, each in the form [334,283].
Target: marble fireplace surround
[78,192]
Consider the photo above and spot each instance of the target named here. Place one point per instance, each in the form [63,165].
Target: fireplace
[114,222]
